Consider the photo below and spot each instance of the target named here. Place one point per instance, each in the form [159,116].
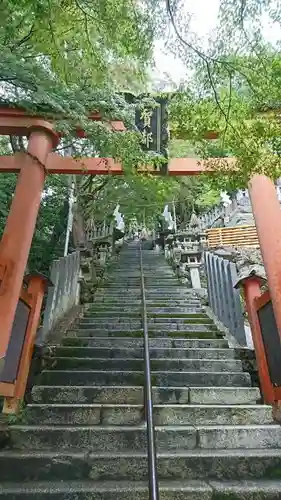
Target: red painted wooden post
[252,291]
[18,233]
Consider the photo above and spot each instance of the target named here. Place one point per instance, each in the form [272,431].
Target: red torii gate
[19,122]
[33,166]
[39,160]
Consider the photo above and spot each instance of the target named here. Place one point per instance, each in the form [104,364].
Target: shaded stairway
[84,436]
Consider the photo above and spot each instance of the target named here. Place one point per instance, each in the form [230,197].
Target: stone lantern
[184,251]
[168,248]
[192,262]
[192,241]
[102,248]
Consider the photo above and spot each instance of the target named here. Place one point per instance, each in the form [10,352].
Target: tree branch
[228,109]
[24,39]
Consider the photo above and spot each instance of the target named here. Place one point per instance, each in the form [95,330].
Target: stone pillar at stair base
[194,274]
[157,249]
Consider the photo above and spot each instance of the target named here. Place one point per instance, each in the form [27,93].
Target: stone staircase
[84,436]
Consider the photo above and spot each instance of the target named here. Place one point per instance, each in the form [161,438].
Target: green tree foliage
[77,39]
[48,241]
[235,78]
[245,118]
[140,196]
[194,193]
[66,59]
[49,237]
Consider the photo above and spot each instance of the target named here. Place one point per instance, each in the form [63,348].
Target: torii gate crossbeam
[57,164]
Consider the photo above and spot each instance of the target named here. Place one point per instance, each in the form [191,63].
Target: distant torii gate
[39,160]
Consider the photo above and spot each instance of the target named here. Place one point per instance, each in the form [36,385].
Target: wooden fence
[239,236]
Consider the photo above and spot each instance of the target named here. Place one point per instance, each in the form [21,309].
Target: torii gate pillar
[17,237]
[267,214]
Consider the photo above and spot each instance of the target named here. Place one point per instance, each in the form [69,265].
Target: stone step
[127,342]
[182,465]
[166,379]
[127,364]
[110,297]
[119,276]
[117,314]
[74,490]
[110,414]
[108,326]
[138,333]
[135,318]
[187,293]
[126,288]
[121,438]
[126,490]
[152,296]
[151,310]
[158,279]
[224,395]
[158,283]
[180,317]
[114,313]
[163,274]
[155,330]
[190,465]
[110,322]
[170,292]
[114,292]
[119,302]
[155,290]
[100,305]
[182,326]
[134,395]
[120,280]
[127,300]
[138,353]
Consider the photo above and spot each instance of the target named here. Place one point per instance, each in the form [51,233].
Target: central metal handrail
[148,404]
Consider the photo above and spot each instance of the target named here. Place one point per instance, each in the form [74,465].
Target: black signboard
[271,341]
[13,354]
[151,120]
